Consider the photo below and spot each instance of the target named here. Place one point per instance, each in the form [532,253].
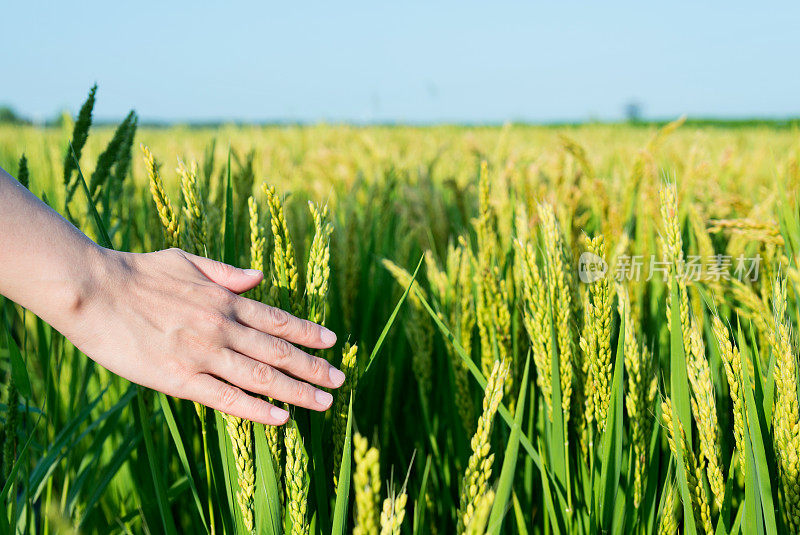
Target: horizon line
[697,120]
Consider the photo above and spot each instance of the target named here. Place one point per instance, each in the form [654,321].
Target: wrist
[89,282]
[84,284]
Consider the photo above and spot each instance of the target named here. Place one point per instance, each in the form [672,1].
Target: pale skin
[168,320]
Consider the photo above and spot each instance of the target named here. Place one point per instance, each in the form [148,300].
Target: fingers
[226,398]
[279,353]
[281,324]
[261,378]
[234,279]
[264,318]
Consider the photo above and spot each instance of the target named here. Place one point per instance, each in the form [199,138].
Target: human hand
[173,321]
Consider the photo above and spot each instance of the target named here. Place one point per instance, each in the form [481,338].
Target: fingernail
[323,398]
[337,376]
[253,273]
[279,414]
[327,336]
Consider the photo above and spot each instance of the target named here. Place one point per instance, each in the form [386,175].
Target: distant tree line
[9,116]
[632,111]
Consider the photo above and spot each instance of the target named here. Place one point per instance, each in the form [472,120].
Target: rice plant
[566,330]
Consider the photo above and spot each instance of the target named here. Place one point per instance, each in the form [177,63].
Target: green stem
[207,462]
[48,497]
[567,480]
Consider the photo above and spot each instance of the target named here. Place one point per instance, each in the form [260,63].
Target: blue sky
[408,61]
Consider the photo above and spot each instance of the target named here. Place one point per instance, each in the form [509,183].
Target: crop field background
[566,329]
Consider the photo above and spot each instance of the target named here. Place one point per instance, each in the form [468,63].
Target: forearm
[167,320]
[46,264]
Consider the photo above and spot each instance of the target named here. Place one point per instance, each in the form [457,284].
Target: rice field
[573,329]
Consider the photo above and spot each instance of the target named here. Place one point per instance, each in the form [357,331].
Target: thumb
[234,279]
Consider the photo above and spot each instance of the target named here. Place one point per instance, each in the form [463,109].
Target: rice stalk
[194,213]
[23,173]
[639,395]
[672,245]
[732,363]
[787,412]
[341,402]
[596,342]
[493,315]
[670,512]
[240,432]
[80,133]
[284,291]
[479,468]
[367,487]
[393,513]
[465,304]
[452,287]
[537,319]
[694,472]
[557,263]
[704,409]
[110,156]
[318,271]
[296,477]
[257,244]
[10,428]
[480,519]
[169,220]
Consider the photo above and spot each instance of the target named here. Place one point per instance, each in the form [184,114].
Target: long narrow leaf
[268,520]
[229,239]
[679,383]
[172,425]
[343,485]
[611,452]
[12,474]
[158,476]
[130,442]
[507,473]
[519,516]
[755,440]
[105,240]
[19,371]
[419,510]
[231,514]
[390,322]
